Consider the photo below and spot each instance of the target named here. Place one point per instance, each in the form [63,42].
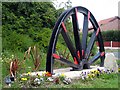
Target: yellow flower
[62,75]
[28,73]
[96,72]
[46,72]
[89,75]
[43,74]
[93,75]
[24,79]
[92,71]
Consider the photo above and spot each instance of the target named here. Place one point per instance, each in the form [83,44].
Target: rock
[110,62]
[8,80]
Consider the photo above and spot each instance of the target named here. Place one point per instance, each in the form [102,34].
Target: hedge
[110,35]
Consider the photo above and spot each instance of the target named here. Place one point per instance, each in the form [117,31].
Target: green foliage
[107,77]
[16,41]
[43,38]
[111,35]
[27,23]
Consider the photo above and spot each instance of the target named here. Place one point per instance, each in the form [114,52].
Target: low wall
[111,44]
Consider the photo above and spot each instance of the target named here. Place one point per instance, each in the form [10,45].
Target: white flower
[21,75]
[67,80]
[41,79]
[83,77]
[50,79]
[9,85]
[37,81]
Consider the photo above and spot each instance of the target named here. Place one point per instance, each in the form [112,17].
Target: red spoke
[65,61]
[64,28]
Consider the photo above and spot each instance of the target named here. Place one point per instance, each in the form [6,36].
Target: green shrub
[25,24]
[14,41]
[111,35]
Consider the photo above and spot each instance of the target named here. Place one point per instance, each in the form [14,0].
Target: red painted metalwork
[56,56]
[64,28]
[75,60]
[102,53]
[78,53]
[98,30]
[48,74]
[76,13]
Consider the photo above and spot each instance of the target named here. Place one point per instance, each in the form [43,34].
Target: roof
[109,24]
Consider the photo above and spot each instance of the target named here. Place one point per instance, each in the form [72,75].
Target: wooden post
[111,45]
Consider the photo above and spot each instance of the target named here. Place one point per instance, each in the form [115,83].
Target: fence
[111,44]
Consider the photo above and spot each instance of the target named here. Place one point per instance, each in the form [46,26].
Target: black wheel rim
[81,52]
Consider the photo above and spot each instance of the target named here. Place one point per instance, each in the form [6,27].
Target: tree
[26,23]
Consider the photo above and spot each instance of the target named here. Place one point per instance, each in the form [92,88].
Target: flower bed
[35,80]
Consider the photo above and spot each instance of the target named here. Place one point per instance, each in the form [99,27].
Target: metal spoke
[90,45]
[69,42]
[76,34]
[94,58]
[85,33]
[65,61]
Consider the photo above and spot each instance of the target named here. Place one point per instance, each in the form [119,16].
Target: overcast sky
[101,9]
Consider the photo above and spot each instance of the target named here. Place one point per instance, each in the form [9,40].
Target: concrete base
[75,74]
[67,72]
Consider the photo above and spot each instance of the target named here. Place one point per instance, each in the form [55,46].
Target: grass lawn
[110,82]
